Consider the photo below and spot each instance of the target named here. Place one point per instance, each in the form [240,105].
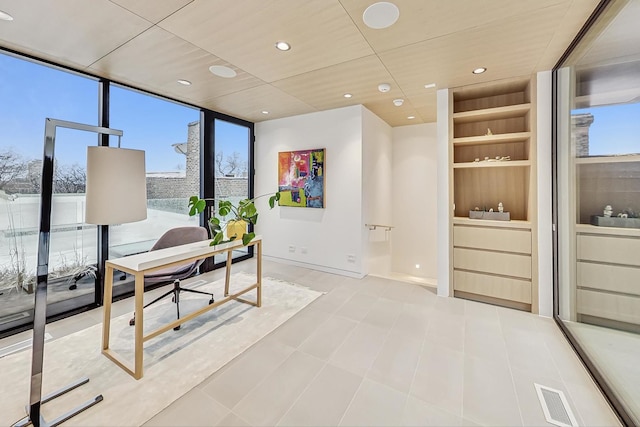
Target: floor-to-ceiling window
[169,134]
[598,201]
[29,93]
[232,142]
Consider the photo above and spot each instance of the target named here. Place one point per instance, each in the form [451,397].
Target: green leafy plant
[244,212]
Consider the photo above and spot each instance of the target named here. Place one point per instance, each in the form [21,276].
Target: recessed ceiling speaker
[384,87]
[398,102]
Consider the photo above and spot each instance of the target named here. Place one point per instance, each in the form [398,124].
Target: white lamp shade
[116,186]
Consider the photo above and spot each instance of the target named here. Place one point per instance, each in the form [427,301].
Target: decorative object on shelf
[623,215]
[615,221]
[489,133]
[301,178]
[243,213]
[495,159]
[490,215]
[500,207]
[608,210]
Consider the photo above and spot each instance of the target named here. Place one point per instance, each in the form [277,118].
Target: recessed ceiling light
[479,70]
[347,95]
[411,117]
[381,15]
[184,82]
[398,102]
[223,71]
[4,16]
[265,112]
[283,46]
[429,86]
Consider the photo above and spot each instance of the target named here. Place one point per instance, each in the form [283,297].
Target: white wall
[445,110]
[376,192]
[329,234]
[415,201]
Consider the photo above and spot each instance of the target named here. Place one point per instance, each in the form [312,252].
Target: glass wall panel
[598,201]
[29,93]
[231,168]
[169,134]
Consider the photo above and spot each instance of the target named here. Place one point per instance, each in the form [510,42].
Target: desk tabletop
[161,257]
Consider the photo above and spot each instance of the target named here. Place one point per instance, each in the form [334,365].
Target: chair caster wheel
[132,322]
[211,301]
[73,287]
[177,328]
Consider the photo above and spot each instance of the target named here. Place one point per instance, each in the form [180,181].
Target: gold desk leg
[139,336]
[108,299]
[259,273]
[228,273]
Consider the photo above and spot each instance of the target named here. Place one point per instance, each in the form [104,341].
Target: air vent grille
[555,407]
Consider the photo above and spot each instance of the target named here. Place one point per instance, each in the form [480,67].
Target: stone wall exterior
[580,124]
[174,187]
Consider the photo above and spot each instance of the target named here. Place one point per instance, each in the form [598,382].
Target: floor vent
[555,407]
[14,348]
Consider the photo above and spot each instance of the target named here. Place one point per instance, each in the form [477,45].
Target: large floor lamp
[115,194]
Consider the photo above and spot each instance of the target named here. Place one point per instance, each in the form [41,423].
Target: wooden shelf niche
[491,122]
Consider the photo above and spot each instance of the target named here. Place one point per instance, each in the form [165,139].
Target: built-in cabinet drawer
[496,239]
[621,308]
[611,278]
[611,249]
[608,276]
[493,286]
[493,263]
[505,264]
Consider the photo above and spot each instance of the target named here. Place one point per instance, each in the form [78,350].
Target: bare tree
[70,179]
[231,165]
[12,166]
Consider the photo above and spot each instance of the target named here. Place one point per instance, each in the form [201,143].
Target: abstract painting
[301,178]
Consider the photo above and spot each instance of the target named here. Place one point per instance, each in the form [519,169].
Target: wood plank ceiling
[151,44]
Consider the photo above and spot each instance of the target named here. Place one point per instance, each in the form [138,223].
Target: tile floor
[379,352]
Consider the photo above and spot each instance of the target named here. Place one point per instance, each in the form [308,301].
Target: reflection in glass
[598,181]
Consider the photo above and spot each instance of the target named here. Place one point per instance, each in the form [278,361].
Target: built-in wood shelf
[607,159]
[492,139]
[496,164]
[492,113]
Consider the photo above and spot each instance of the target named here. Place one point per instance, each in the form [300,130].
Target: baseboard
[422,281]
[322,268]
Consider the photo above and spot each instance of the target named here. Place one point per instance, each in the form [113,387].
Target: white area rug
[174,362]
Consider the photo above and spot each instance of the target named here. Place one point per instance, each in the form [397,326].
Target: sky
[615,129]
[30,93]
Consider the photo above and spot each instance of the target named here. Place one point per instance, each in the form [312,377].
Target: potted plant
[243,213]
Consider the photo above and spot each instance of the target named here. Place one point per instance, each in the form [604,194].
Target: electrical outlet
[351,258]
[303,250]
[292,248]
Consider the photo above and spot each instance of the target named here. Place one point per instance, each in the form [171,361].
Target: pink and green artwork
[301,178]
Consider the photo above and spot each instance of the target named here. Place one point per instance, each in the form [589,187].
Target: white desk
[148,262]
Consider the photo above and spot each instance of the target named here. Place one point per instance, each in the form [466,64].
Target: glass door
[598,203]
[231,180]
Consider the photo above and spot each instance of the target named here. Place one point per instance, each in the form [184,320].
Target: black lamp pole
[40,308]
